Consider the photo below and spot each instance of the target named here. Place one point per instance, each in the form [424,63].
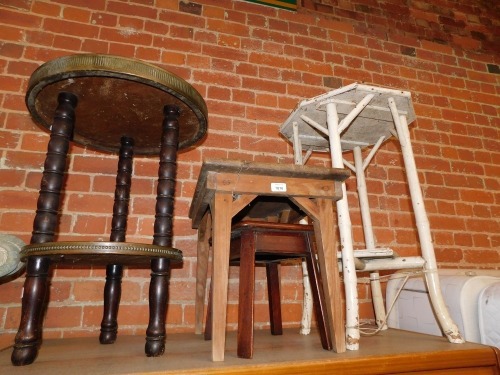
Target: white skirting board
[471,296]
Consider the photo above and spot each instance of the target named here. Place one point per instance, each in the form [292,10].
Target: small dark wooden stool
[117,105]
[254,242]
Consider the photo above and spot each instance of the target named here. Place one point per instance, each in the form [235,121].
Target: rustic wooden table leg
[324,228]
[221,208]
[114,272]
[203,248]
[207,335]
[160,268]
[318,296]
[44,227]
[322,213]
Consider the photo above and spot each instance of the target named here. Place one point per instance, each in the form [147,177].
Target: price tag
[278,187]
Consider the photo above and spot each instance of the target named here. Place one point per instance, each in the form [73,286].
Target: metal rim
[94,248]
[82,65]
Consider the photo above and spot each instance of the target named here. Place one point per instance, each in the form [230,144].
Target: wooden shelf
[392,351]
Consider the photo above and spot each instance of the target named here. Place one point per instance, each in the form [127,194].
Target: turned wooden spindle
[114,272]
[44,227]
[160,267]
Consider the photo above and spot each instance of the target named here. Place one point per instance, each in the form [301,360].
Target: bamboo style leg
[377,298]
[114,272]
[449,328]
[345,228]
[28,338]
[307,304]
[160,267]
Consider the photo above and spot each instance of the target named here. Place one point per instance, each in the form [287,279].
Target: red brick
[131,23]
[76,14]
[11,33]
[21,19]
[63,317]
[65,42]
[72,28]
[90,203]
[90,225]
[482,257]
[11,50]
[247,96]
[127,35]
[449,255]
[126,8]
[48,9]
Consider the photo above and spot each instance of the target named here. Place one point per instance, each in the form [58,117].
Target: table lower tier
[100,252]
[392,351]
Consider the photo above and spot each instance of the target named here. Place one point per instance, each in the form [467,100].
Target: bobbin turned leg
[114,272]
[160,268]
[28,338]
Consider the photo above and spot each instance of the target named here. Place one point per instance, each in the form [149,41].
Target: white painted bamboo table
[224,188]
[349,119]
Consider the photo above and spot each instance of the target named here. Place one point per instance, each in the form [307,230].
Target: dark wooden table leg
[114,272]
[274,296]
[246,295]
[160,268]
[28,338]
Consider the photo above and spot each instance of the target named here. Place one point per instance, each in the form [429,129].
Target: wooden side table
[117,105]
[224,188]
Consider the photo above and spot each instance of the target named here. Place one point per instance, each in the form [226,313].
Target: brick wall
[252,64]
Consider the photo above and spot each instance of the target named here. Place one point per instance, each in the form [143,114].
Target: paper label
[278,187]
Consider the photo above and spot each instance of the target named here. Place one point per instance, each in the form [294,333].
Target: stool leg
[44,226]
[246,295]
[160,268]
[317,293]
[274,296]
[202,264]
[114,272]
[112,294]
[208,320]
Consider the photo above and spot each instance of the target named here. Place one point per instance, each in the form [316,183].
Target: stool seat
[273,241]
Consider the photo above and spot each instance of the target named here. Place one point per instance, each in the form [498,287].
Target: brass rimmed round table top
[117,97]
[100,252]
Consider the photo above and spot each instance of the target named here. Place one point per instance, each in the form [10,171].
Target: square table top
[256,173]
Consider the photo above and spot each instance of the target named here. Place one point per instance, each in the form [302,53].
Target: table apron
[272,185]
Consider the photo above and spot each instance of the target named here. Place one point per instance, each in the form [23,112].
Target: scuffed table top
[117,97]
[374,121]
